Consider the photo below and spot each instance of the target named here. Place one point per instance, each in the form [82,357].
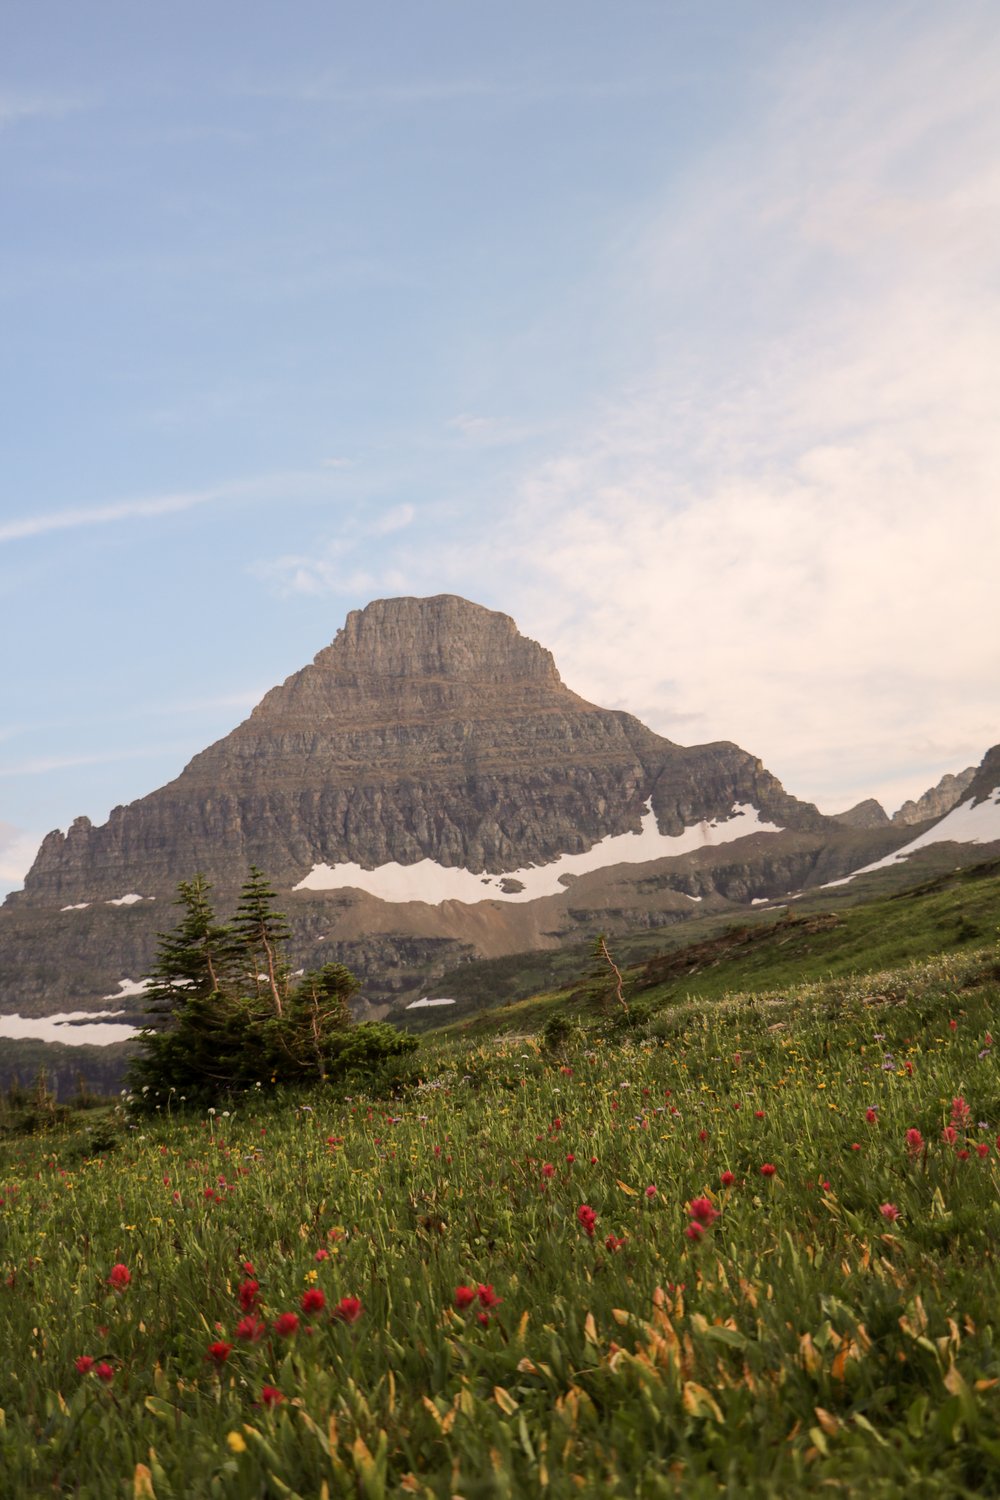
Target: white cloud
[284,486]
[394,520]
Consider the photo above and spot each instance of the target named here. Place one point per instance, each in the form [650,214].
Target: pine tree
[258,934]
[191,960]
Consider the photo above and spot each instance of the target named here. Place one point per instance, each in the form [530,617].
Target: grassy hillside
[807,940]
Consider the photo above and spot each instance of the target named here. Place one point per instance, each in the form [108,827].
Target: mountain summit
[426,790]
[429,729]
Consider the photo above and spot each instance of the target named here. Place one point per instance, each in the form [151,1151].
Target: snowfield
[433,883]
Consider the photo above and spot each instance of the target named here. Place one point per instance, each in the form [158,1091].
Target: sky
[670,329]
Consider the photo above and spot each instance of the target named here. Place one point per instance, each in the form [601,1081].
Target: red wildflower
[219,1352]
[703,1135]
[614,1244]
[983,1149]
[768,1169]
[487,1296]
[889,1211]
[570,1158]
[119,1277]
[949,1135]
[348,1310]
[270,1395]
[587,1217]
[914,1141]
[548,1170]
[105,1372]
[285,1324]
[464,1297]
[84,1363]
[953,1024]
[694,1231]
[250,1330]
[961,1114]
[248,1267]
[249,1295]
[651,1190]
[727,1179]
[758,1114]
[322,1254]
[704,1210]
[483,1318]
[871,1115]
[313,1301]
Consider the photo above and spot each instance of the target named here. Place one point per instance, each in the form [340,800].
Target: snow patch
[420,1004]
[80,906]
[968,823]
[61,1028]
[433,883]
[128,900]
[127,988]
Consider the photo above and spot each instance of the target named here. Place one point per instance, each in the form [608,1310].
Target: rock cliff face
[430,729]
[937,801]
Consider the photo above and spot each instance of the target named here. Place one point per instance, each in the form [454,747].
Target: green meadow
[740,1240]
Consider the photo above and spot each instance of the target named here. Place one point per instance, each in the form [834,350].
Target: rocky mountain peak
[403,660]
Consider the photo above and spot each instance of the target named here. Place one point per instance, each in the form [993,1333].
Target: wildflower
[219,1352]
[250,1330]
[236,1442]
[548,1170]
[487,1296]
[855,1145]
[889,1211]
[119,1277]
[464,1297]
[914,1141]
[961,1114]
[321,1254]
[871,1115]
[348,1310]
[570,1158]
[694,1231]
[949,1135]
[704,1210]
[703,1135]
[587,1217]
[758,1114]
[768,1169]
[651,1191]
[982,1150]
[84,1363]
[727,1179]
[271,1396]
[953,1024]
[483,1319]
[105,1372]
[614,1244]
[285,1324]
[249,1295]
[313,1301]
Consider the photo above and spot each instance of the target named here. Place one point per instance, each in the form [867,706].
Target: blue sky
[672,330]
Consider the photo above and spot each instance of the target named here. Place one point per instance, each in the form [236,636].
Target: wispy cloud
[293,484]
[17,107]
[44,764]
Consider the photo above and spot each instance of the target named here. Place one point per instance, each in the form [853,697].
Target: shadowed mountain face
[430,729]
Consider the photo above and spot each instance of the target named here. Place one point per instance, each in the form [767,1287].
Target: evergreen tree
[191,960]
[258,935]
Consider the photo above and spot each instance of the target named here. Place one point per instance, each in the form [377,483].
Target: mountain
[938,800]
[425,791]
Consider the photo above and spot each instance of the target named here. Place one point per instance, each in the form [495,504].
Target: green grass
[953,913]
[805,1341]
